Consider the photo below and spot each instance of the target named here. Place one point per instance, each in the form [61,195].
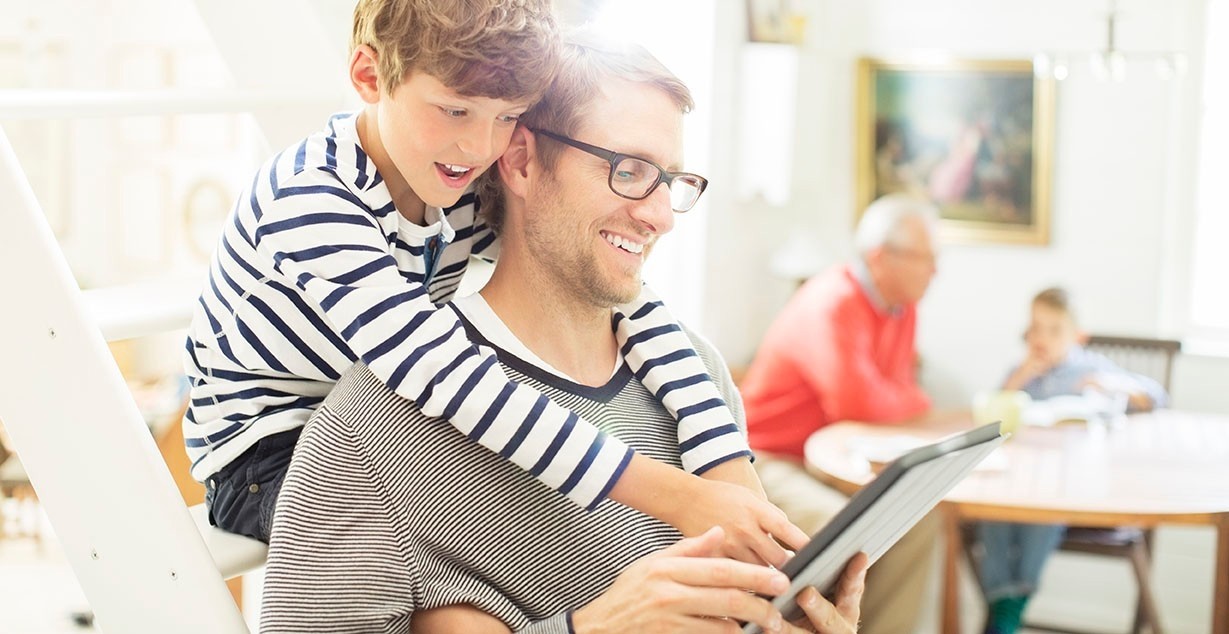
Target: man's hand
[842,617]
[686,588]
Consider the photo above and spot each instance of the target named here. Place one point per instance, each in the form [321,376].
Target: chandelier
[1111,62]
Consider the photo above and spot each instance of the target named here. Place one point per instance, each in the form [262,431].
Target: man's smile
[629,245]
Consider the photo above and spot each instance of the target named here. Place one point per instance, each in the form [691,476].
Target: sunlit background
[137,122]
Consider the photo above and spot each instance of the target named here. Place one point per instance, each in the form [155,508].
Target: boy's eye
[508,118]
[452,112]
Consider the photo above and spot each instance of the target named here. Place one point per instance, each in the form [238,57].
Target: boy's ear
[363,73]
[514,164]
[1081,337]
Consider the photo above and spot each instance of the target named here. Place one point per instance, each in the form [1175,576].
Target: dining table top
[1167,466]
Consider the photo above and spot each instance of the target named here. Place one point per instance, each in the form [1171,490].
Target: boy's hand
[742,546]
[750,523]
[693,505]
[1031,368]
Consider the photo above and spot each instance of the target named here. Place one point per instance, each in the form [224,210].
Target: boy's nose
[478,141]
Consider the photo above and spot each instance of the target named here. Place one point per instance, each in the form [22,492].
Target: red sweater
[830,355]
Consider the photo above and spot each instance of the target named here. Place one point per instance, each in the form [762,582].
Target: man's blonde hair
[501,49]
[588,61]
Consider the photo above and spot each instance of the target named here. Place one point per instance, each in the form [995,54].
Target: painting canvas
[772,21]
[974,137]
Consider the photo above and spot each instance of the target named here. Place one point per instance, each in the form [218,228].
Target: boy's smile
[458,176]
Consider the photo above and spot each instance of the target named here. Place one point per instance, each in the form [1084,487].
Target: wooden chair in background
[1153,358]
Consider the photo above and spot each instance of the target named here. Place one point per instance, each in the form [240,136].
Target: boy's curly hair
[500,49]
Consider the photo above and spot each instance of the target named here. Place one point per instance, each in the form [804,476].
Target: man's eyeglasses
[635,178]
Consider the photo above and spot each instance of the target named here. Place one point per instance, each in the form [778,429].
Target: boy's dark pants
[242,495]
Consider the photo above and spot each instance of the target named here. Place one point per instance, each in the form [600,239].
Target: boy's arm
[662,356]
[339,260]
[1024,373]
[731,495]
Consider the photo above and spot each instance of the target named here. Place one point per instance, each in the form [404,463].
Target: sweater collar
[862,275]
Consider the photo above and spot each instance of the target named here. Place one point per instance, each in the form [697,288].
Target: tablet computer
[883,511]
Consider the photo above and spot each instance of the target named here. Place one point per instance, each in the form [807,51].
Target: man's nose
[655,211]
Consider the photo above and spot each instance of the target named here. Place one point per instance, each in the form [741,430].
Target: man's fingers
[723,603]
[849,590]
[823,616]
[710,626]
[726,573]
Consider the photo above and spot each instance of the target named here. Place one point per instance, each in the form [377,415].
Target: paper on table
[1090,405]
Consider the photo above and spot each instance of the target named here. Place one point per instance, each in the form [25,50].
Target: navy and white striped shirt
[316,270]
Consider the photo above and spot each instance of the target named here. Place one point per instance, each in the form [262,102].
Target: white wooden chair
[145,562]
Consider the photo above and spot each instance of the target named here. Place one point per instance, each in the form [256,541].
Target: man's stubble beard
[567,258]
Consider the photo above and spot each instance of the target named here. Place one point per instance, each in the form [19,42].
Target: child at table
[1057,365]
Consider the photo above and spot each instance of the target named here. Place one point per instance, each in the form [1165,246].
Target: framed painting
[974,137]
[773,21]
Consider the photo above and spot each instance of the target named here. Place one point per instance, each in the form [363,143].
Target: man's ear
[363,73]
[873,258]
[515,164]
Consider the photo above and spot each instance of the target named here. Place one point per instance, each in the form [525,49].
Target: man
[388,518]
[843,349]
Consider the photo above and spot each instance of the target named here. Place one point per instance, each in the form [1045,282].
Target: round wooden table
[1167,467]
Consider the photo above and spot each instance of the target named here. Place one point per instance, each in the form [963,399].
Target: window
[1209,317]
[676,269]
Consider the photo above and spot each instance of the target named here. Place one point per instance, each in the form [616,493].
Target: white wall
[1121,224]
[1122,186]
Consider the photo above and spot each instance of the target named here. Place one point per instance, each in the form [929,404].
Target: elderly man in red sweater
[843,349]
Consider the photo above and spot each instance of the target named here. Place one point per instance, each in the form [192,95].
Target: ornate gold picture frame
[973,136]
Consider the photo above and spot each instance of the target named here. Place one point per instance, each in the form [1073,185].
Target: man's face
[910,263]
[589,240]
[439,140]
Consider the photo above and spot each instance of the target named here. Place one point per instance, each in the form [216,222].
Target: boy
[341,248]
[1056,365]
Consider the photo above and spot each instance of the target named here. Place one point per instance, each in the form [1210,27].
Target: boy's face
[1050,334]
[441,141]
